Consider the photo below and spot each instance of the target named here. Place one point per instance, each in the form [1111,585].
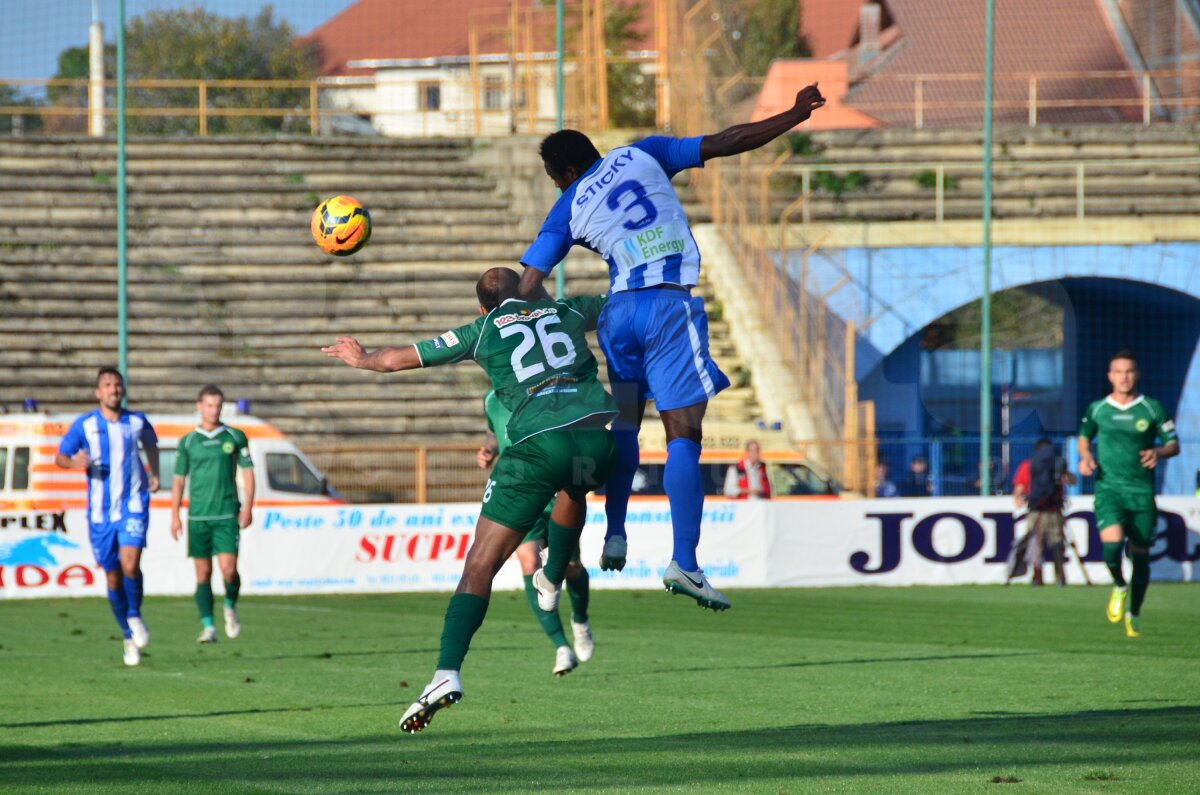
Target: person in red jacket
[747,479]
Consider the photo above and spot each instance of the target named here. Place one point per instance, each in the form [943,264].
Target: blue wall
[1145,298]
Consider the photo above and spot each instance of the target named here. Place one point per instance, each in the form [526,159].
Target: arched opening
[1052,341]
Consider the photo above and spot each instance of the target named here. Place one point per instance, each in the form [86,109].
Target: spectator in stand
[916,482]
[884,487]
[1038,484]
[747,479]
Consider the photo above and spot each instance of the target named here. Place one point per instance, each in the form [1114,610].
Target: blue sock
[616,491]
[681,479]
[133,595]
[120,607]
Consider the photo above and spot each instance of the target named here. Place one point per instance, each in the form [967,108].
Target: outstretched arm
[384,360]
[744,137]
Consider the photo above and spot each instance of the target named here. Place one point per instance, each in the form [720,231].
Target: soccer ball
[341,225]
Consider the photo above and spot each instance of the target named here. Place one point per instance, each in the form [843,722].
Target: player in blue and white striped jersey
[104,443]
[653,332]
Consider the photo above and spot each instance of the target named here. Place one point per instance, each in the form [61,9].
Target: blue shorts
[657,339]
[108,538]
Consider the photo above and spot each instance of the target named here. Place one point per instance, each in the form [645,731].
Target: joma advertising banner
[381,548]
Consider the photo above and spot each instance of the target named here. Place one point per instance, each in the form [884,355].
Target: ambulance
[31,481]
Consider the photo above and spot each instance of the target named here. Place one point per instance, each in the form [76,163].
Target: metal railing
[946,173]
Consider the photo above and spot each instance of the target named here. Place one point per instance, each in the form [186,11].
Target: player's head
[1123,372]
[209,403]
[567,154]
[495,287]
[110,387]
[918,463]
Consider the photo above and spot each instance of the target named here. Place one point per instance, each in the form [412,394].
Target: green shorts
[208,537]
[529,474]
[1134,511]
[541,529]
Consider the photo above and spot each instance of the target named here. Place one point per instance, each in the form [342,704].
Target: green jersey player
[1127,425]
[565,658]
[537,358]
[212,455]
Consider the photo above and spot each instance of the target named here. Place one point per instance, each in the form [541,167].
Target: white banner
[382,548]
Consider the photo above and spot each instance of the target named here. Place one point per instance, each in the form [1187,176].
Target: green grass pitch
[956,689]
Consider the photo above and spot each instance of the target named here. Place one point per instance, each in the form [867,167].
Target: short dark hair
[210,389]
[565,148]
[1124,353]
[1042,444]
[109,370]
[496,286]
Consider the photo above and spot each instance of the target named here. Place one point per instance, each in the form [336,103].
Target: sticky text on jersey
[605,179]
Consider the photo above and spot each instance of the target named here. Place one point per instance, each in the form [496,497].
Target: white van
[31,481]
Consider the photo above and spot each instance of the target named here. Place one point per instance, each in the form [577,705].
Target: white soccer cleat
[564,661]
[207,635]
[232,627]
[444,691]
[132,655]
[695,585]
[584,644]
[141,635]
[547,593]
[613,556]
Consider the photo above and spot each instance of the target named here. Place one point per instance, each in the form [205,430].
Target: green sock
[1112,559]
[549,619]
[563,543]
[204,603]
[231,591]
[579,592]
[464,615]
[1139,582]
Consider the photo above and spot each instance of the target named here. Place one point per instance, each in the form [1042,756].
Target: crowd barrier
[392,548]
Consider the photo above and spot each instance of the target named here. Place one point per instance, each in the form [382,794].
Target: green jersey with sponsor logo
[537,358]
[211,460]
[497,419]
[1123,432]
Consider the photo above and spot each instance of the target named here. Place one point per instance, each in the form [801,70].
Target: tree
[762,30]
[630,91]
[192,44]
[16,124]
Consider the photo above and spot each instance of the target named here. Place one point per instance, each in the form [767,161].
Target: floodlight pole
[560,277]
[122,283]
[985,336]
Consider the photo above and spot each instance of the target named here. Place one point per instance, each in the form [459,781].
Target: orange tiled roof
[786,77]
[945,37]
[418,29]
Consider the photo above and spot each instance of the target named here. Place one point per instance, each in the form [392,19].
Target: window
[20,475]
[166,468]
[493,93]
[286,472]
[3,466]
[429,95]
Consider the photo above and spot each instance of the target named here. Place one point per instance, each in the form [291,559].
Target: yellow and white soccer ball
[341,225]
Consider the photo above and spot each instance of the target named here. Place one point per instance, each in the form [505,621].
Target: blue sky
[36,31]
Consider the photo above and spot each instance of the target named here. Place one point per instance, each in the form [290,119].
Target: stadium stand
[225,284]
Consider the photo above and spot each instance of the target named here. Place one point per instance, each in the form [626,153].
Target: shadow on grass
[39,724]
[812,664]
[861,755]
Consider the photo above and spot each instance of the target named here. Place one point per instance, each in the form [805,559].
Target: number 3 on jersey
[551,343]
[640,200]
